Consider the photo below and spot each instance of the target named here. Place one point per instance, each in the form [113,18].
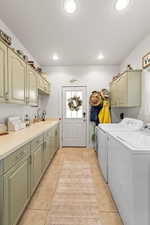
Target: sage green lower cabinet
[47,154]
[51,145]
[36,166]
[16,191]
[1,198]
[57,138]
[56,143]
[21,172]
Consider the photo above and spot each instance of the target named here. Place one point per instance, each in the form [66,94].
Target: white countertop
[14,140]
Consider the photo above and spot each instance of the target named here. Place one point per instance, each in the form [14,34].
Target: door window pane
[74,104]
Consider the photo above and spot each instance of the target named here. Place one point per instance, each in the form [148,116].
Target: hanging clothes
[94,114]
[104,114]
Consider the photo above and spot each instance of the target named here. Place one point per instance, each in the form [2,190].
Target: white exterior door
[74,118]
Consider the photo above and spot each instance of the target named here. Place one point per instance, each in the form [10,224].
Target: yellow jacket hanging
[104,114]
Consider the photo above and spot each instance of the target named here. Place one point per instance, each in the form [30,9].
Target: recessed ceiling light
[55,57]
[70,6]
[100,56]
[121,4]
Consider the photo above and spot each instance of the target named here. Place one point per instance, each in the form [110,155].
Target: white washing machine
[104,130]
[129,175]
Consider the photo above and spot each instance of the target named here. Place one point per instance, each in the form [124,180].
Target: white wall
[95,77]
[135,59]
[10,109]
[15,41]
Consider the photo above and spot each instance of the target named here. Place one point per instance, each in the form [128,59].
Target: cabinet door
[32,87]
[3,73]
[17,78]
[53,144]
[123,90]
[36,167]
[1,199]
[114,93]
[16,192]
[56,138]
[47,153]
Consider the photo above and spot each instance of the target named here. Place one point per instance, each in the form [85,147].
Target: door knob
[84,114]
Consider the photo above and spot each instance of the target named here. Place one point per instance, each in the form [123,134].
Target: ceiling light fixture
[55,57]
[70,6]
[121,4]
[100,56]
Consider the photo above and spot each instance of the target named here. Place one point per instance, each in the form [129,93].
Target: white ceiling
[44,29]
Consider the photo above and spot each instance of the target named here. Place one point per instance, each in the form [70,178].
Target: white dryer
[129,175]
[104,130]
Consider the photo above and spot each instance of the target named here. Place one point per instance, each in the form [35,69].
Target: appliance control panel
[133,123]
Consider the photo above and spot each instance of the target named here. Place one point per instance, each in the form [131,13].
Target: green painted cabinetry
[32,87]
[36,162]
[16,78]
[21,172]
[16,191]
[36,167]
[126,90]
[48,154]
[19,82]
[3,73]
[1,198]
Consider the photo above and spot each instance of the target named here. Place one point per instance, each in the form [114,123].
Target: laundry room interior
[74,112]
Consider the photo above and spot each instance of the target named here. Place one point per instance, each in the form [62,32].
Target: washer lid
[127,124]
[137,140]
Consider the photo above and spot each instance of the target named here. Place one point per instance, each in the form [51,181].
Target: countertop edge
[3,156]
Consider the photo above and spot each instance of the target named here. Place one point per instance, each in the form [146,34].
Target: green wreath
[74,103]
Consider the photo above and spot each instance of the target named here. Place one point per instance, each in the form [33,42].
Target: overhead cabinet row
[19,82]
[126,90]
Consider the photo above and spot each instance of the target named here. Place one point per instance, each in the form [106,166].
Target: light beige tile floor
[46,202]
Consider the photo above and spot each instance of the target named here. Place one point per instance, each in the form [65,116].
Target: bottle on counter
[27,120]
[44,115]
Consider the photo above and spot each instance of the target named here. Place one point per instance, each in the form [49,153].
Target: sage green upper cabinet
[32,87]
[126,90]
[16,191]
[43,85]
[17,78]
[3,73]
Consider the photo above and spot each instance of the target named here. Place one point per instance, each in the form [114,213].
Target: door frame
[61,112]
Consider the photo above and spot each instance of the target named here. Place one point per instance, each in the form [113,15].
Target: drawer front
[16,156]
[1,167]
[36,142]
